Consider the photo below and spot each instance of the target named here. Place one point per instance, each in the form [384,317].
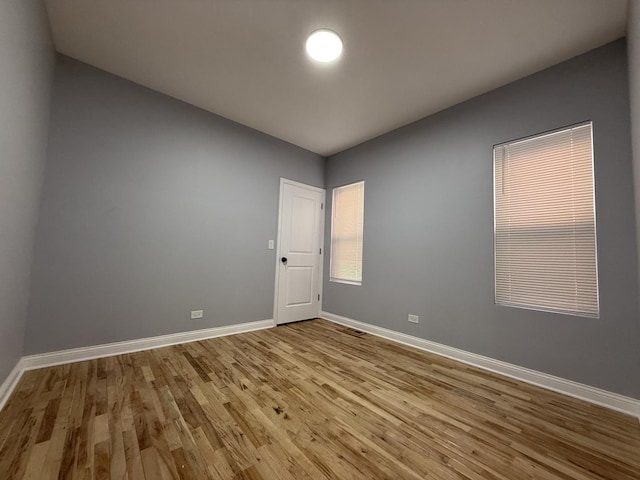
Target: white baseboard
[10,383]
[614,401]
[595,395]
[50,359]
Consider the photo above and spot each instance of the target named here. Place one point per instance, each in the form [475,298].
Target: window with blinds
[346,234]
[545,227]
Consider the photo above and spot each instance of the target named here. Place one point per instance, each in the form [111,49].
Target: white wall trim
[10,383]
[628,405]
[50,359]
[61,357]
[614,401]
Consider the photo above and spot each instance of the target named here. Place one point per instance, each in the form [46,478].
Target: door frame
[283,182]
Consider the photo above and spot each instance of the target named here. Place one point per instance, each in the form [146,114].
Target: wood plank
[307,401]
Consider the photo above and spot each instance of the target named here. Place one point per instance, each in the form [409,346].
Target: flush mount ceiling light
[324,45]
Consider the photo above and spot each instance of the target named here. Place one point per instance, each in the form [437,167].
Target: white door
[299,253]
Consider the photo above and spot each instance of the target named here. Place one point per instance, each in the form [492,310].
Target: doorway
[299,253]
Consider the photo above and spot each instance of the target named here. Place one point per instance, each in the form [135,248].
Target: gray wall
[152,208]
[633,39]
[428,228]
[26,71]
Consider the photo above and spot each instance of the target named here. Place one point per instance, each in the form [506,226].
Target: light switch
[270,244]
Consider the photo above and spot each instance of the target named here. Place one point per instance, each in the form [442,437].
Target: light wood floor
[311,400]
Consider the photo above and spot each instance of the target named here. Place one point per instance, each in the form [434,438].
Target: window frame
[595,224]
[331,253]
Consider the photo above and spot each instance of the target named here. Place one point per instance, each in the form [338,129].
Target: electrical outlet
[413,318]
[195,314]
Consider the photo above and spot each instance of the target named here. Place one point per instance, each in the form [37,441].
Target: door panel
[299,241]
[302,231]
[299,286]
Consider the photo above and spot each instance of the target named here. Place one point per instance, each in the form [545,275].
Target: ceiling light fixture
[324,45]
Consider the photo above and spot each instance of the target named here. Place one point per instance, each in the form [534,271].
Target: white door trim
[283,182]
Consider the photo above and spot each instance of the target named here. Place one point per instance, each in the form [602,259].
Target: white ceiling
[403,59]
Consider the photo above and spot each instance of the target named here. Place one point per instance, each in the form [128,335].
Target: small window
[545,225]
[346,234]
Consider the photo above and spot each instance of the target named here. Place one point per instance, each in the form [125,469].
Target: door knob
[284,260]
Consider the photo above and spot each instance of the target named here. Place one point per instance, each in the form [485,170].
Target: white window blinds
[545,231]
[346,233]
